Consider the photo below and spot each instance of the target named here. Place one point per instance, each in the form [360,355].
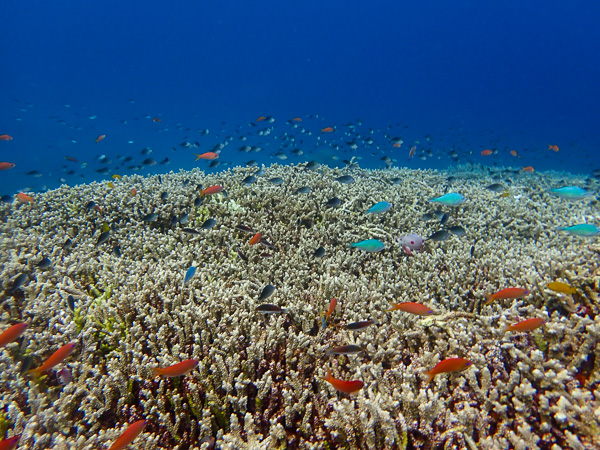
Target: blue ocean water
[452,78]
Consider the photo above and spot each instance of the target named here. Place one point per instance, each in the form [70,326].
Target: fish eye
[412,242]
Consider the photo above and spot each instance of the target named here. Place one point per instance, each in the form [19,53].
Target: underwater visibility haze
[300,224]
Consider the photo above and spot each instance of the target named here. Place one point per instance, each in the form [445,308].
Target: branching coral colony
[274,373]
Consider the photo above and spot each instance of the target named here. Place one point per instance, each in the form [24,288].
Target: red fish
[554,148]
[260,119]
[511,292]
[5,137]
[529,169]
[328,314]
[526,325]
[327,130]
[133,192]
[412,151]
[23,197]
[71,158]
[448,365]
[100,138]
[129,435]
[413,308]
[156,119]
[297,119]
[56,358]
[212,190]
[10,443]
[12,333]
[255,239]
[486,152]
[176,369]
[514,153]
[349,387]
[209,156]
[6,165]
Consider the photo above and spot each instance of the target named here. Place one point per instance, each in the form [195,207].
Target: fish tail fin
[157,371]
[489,299]
[328,377]
[429,377]
[35,373]
[506,329]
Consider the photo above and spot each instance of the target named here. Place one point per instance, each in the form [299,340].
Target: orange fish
[209,156]
[527,169]
[260,119]
[412,151]
[255,239]
[511,292]
[23,197]
[5,137]
[100,138]
[133,192]
[212,190]
[526,325]
[129,435]
[156,119]
[6,165]
[349,387]
[448,365]
[176,369]
[328,314]
[12,333]
[327,130]
[487,152]
[514,153]
[10,443]
[297,119]
[413,308]
[554,148]
[398,144]
[56,358]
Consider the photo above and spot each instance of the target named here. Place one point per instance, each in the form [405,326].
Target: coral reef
[258,383]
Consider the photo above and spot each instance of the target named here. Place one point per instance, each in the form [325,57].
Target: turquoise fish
[450,199]
[582,229]
[379,208]
[571,192]
[369,245]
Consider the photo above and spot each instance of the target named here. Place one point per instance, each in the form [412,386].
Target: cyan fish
[379,208]
[571,192]
[369,245]
[582,229]
[189,274]
[450,199]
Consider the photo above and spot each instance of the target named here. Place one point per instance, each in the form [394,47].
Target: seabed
[258,383]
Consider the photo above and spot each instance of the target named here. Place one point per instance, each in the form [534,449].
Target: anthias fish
[129,435]
[448,365]
[12,333]
[413,308]
[526,325]
[507,293]
[349,387]
[56,358]
[176,369]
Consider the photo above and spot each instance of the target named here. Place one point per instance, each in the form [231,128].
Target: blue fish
[379,208]
[189,274]
[450,199]
[369,245]
[582,229]
[571,192]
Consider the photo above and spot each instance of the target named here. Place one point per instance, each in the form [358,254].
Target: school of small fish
[368,220]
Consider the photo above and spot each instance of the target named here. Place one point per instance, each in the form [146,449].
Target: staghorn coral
[257,384]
